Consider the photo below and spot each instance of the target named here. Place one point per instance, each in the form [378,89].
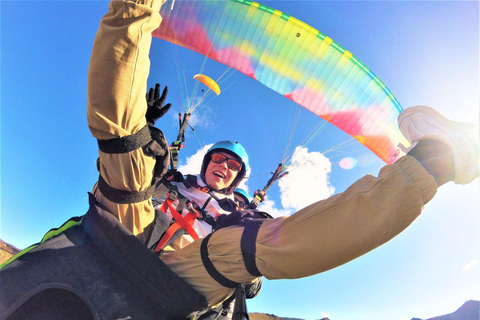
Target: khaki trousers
[322,236]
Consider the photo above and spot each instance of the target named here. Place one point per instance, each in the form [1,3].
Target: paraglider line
[177,73]
[308,139]
[291,135]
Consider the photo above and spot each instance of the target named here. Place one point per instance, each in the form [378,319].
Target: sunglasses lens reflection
[231,163]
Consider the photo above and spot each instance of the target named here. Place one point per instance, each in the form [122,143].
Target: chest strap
[185,222]
[167,190]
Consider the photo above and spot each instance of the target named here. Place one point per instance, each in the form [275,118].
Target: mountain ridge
[6,251]
[470,310]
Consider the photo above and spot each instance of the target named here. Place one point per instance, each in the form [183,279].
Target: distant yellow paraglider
[209,82]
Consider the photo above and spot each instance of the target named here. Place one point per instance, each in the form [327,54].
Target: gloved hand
[155,107]
[158,147]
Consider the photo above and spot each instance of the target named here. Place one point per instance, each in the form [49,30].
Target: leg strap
[249,249]
[212,271]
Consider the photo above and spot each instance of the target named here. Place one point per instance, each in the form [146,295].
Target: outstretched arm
[116,105]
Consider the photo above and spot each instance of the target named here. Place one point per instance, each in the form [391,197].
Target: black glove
[155,108]
[158,148]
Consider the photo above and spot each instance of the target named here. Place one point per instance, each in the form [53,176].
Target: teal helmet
[243,195]
[235,149]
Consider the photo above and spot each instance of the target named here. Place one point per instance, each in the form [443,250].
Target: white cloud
[193,164]
[243,183]
[269,207]
[201,118]
[472,264]
[307,181]
[325,315]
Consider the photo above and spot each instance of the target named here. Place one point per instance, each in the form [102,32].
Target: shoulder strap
[191,182]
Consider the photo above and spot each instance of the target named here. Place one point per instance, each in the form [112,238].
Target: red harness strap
[181,222]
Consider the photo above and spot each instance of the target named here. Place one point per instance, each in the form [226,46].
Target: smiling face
[218,176]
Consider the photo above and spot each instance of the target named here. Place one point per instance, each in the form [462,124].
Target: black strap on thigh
[127,143]
[249,249]
[123,196]
[212,271]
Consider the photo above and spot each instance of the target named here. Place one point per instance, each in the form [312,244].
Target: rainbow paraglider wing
[293,59]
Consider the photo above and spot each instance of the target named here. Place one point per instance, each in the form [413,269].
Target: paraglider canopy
[209,82]
[293,59]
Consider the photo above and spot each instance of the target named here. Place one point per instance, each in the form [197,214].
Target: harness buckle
[168,176]
[191,206]
[172,195]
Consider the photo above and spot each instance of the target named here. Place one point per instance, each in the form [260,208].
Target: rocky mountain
[266,316]
[470,310]
[6,251]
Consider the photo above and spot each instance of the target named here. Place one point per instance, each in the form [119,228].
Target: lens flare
[348,163]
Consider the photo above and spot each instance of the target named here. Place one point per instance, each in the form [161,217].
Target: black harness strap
[122,196]
[206,202]
[153,143]
[249,249]
[127,143]
[191,182]
[212,271]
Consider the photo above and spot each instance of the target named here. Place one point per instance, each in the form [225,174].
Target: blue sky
[425,52]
